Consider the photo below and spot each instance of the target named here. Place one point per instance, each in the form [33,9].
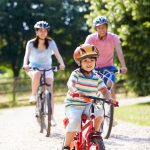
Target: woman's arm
[59,59]
[57,55]
[26,58]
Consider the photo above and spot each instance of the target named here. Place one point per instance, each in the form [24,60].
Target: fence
[16,87]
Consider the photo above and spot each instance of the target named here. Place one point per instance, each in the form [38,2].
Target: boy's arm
[73,89]
[71,86]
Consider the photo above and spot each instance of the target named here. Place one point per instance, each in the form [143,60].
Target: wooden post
[14,91]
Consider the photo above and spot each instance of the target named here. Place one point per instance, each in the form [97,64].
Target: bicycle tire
[107,124]
[98,143]
[40,112]
[48,113]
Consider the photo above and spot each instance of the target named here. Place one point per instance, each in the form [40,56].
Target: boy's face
[88,64]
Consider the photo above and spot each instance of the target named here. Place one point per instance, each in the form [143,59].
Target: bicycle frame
[89,134]
[44,101]
[84,139]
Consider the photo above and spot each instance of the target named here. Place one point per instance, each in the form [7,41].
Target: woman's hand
[26,68]
[62,67]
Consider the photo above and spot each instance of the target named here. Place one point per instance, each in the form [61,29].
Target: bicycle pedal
[36,115]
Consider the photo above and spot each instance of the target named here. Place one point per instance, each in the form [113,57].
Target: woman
[38,54]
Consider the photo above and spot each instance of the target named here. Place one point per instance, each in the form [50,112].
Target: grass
[138,114]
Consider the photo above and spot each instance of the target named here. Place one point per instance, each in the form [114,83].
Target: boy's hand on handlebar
[77,94]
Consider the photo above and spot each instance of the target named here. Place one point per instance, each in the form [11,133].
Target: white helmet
[41,24]
[100,20]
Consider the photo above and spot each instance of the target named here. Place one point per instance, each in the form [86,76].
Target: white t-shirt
[41,58]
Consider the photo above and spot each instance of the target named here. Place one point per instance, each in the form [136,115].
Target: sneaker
[66,148]
[32,99]
[53,122]
[114,123]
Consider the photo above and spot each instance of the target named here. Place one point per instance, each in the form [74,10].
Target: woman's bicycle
[107,124]
[43,104]
[88,138]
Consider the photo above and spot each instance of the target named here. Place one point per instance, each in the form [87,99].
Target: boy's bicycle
[88,138]
[107,124]
[43,104]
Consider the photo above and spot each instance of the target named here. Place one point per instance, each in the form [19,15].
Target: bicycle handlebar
[116,104]
[54,68]
[117,70]
[96,99]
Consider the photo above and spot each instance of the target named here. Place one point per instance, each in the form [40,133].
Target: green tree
[18,17]
[131,21]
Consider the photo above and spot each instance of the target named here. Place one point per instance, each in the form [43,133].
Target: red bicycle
[88,138]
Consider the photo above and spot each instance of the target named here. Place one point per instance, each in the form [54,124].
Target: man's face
[102,30]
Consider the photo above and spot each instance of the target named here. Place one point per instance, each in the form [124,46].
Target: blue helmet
[100,20]
[41,24]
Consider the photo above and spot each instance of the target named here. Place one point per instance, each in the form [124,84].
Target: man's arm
[121,58]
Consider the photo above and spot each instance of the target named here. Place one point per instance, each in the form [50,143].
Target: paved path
[19,131]
[130,101]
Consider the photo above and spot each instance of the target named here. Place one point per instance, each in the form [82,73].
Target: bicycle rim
[106,126]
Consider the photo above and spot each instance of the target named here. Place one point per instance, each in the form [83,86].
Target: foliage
[18,17]
[131,21]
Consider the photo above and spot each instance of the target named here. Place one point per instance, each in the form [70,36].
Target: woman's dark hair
[36,42]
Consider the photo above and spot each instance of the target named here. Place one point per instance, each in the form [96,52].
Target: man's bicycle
[88,138]
[43,104]
[107,124]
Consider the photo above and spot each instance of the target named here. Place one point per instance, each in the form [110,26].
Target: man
[107,43]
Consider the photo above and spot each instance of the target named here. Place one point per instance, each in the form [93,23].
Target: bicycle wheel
[106,126]
[48,113]
[40,112]
[98,144]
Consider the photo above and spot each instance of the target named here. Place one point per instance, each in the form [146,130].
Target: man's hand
[124,70]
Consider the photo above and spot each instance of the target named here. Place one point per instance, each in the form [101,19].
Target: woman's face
[42,33]
[102,30]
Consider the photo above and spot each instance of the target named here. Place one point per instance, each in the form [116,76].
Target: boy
[84,81]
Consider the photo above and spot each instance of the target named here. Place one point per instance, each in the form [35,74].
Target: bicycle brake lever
[55,68]
[116,104]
